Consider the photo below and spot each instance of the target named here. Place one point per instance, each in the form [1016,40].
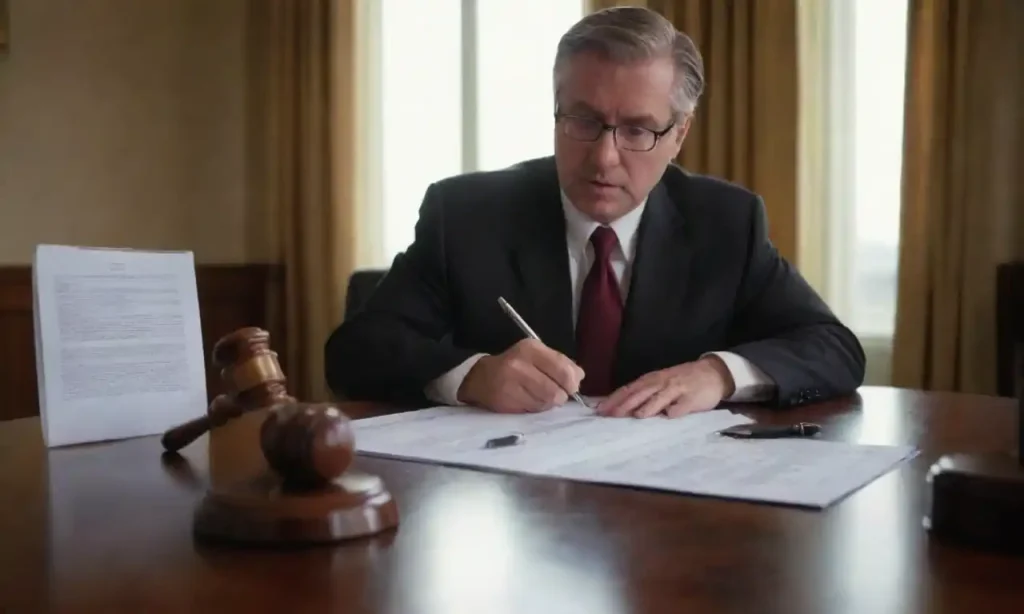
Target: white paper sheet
[684,455]
[119,348]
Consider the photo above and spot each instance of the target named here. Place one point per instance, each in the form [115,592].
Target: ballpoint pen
[771,431]
[523,326]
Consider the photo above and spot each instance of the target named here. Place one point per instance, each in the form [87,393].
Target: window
[866,45]
[463,85]
[420,107]
[515,97]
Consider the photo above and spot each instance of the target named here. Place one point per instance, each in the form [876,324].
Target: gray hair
[631,34]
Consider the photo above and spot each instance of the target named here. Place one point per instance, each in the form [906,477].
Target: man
[652,289]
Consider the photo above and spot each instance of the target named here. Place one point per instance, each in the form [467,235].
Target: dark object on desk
[309,494]
[977,500]
[504,442]
[771,431]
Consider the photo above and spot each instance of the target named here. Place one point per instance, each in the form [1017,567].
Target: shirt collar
[579,227]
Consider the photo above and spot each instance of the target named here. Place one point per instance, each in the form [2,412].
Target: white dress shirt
[751,384]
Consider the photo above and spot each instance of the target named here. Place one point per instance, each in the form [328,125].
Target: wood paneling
[230,297]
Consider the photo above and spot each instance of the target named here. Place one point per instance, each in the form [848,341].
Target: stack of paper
[683,455]
[119,349]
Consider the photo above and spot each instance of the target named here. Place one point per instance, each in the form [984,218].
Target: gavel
[311,493]
[253,379]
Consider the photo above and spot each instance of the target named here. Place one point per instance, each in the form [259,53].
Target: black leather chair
[361,285]
[1009,325]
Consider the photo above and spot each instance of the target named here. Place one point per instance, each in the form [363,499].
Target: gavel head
[249,368]
[308,444]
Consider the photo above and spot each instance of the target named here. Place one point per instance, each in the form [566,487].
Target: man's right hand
[527,377]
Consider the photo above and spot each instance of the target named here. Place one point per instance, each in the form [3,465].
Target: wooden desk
[106,529]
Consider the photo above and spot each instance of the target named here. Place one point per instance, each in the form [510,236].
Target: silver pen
[523,326]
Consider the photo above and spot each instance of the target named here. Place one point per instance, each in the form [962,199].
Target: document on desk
[119,349]
[685,455]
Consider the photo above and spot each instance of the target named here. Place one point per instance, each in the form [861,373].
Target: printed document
[119,349]
[685,455]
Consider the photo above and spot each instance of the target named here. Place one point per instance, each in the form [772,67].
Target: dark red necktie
[600,317]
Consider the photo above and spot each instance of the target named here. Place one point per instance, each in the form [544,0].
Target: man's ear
[683,130]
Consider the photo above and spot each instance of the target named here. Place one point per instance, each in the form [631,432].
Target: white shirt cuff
[445,389]
[750,383]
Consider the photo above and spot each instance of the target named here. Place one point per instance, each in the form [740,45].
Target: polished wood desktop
[107,528]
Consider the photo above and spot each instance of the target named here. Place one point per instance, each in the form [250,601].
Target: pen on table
[771,431]
[504,442]
[523,326]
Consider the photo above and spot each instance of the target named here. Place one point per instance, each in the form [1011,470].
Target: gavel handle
[221,410]
[180,436]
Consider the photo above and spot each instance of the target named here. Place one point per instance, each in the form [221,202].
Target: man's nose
[604,152]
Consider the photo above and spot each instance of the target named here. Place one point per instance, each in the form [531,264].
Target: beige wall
[123,123]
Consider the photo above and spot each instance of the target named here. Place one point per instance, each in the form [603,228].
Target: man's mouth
[602,184]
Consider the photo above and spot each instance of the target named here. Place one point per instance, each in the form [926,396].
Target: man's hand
[677,391]
[527,377]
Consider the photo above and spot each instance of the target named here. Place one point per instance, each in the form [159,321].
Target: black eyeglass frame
[613,128]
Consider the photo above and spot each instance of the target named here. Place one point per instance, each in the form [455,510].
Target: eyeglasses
[632,138]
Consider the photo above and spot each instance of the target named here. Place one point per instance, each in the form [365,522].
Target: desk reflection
[879,422]
[487,543]
[871,545]
[107,513]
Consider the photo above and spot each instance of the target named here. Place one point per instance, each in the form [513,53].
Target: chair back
[1009,326]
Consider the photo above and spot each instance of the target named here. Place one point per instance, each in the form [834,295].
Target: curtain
[963,189]
[306,214]
[745,127]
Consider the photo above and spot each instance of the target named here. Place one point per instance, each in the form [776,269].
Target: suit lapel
[541,263]
[658,285]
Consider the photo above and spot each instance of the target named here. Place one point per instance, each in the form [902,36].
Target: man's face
[604,180]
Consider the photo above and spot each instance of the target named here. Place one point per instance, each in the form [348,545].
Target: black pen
[503,442]
[771,431]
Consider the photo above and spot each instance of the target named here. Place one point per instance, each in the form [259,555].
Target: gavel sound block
[308,493]
[977,500]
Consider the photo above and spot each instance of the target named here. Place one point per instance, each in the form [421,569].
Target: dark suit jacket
[705,277]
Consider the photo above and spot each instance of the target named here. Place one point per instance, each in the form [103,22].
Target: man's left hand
[683,389]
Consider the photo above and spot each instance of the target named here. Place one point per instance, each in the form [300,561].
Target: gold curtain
[305,214]
[963,189]
[745,128]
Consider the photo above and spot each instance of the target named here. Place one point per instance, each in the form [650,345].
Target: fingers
[627,399]
[543,391]
[532,377]
[558,367]
[610,405]
[508,383]
[683,406]
[515,397]
[643,399]
[520,400]
[658,401]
